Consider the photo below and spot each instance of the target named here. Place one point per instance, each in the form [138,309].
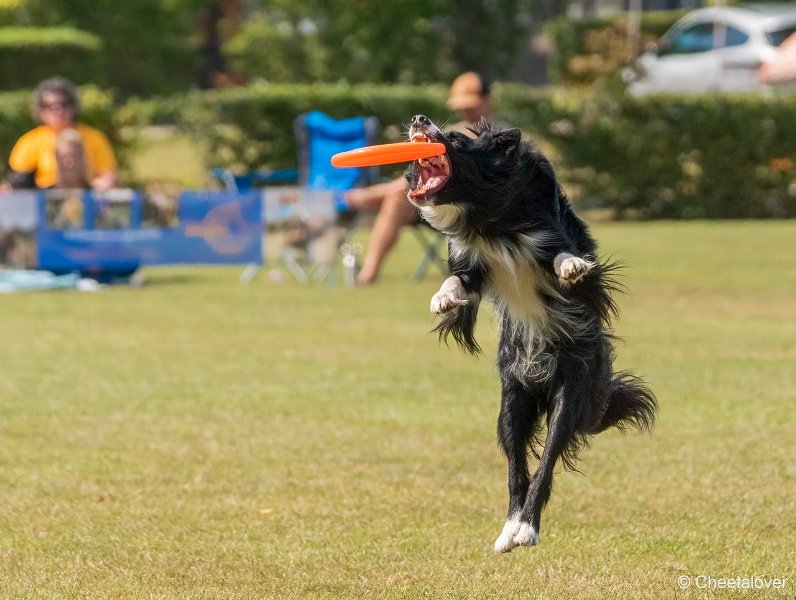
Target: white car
[713,49]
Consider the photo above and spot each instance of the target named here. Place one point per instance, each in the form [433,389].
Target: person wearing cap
[470,98]
[60,143]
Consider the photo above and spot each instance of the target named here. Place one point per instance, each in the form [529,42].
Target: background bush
[30,54]
[147,46]
[587,49]
[654,157]
[157,47]
[682,157]
[407,42]
[250,128]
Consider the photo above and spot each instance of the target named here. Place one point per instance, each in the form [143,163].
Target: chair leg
[289,259]
[249,273]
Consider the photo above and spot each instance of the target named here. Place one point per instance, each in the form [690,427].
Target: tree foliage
[407,41]
[147,45]
[162,46]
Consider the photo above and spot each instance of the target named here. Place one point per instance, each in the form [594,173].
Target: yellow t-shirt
[34,152]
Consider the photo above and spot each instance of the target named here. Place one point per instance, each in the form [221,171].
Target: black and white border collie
[514,238]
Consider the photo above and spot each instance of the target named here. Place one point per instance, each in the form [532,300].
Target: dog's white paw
[450,295]
[526,536]
[505,541]
[571,269]
[516,533]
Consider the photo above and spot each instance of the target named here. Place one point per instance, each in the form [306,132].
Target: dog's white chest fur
[513,278]
[444,217]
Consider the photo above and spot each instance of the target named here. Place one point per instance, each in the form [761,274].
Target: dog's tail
[630,404]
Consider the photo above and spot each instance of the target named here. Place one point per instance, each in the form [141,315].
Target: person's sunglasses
[62,104]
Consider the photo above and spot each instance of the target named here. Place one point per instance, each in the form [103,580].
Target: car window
[735,37]
[775,38]
[697,38]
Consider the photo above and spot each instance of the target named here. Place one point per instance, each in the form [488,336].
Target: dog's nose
[422,120]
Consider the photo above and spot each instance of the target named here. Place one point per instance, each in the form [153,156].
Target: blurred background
[181,86]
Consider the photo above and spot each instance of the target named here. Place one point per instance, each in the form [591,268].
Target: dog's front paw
[450,295]
[571,269]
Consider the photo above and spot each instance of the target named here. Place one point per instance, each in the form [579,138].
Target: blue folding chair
[319,137]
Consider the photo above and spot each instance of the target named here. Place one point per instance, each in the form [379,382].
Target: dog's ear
[507,141]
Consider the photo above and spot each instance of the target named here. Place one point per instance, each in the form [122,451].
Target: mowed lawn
[200,438]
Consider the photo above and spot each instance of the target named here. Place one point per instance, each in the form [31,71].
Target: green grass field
[200,438]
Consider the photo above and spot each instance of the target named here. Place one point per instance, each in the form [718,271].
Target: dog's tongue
[432,174]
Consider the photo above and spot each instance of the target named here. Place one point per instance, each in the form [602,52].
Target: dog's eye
[458,140]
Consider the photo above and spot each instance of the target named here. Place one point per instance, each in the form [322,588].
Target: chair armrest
[243,182]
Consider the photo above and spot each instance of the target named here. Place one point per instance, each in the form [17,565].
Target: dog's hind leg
[559,433]
[520,411]
[564,422]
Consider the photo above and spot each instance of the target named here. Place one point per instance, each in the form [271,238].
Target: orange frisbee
[387,154]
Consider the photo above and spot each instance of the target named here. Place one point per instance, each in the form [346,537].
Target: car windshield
[775,38]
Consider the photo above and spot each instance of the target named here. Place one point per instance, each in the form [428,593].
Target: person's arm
[102,161]
[22,164]
[105,181]
[19,180]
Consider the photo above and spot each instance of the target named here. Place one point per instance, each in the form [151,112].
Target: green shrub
[653,157]
[270,46]
[148,46]
[682,157]
[585,50]
[250,128]
[30,54]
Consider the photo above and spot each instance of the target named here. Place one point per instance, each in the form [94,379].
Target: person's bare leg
[395,213]
[370,198]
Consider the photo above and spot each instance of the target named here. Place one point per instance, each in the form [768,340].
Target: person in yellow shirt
[48,155]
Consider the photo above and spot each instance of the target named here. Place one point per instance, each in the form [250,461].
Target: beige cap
[466,92]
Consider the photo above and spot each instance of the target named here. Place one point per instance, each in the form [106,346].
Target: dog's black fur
[514,237]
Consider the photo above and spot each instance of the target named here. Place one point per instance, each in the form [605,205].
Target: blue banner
[120,230]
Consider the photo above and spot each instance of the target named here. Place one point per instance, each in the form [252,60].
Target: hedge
[30,54]
[248,128]
[713,156]
[655,157]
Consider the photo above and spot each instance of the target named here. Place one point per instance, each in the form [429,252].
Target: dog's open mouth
[432,173]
